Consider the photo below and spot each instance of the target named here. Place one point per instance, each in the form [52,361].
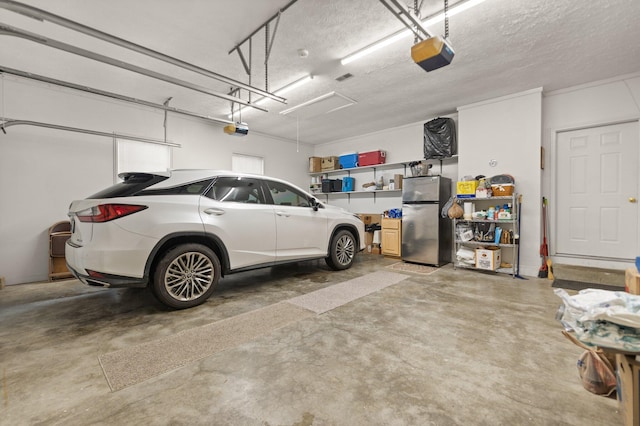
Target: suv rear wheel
[342,251]
[186,276]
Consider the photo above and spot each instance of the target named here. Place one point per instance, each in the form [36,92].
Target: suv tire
[342,251]
[186,276]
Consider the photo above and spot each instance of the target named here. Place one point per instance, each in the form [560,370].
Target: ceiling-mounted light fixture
[284,89]
[289,87]
[324,104]
[454,10]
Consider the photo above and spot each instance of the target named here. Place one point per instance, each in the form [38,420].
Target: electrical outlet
[2,283]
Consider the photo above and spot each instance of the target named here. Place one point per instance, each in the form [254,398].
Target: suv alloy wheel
[186,275]
[342,251]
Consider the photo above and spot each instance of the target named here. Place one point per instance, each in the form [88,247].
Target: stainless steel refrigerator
[426,235]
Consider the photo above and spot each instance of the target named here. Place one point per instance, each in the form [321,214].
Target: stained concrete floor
[455,347]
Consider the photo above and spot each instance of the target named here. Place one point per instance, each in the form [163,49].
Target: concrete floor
[456,347]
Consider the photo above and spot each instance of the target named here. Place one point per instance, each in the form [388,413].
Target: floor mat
[328,298]
[412,267]
[580,285]
[141,362]
[138,363]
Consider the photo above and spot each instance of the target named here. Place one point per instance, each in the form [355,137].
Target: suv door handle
[282,213]
[214,211]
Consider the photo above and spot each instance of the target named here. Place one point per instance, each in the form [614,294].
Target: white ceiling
[502,47]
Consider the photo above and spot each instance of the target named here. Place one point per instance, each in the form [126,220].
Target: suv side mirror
[314,204]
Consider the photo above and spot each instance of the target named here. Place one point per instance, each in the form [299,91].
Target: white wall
[206,146]
[508,131]
[402,145]
[43,170]
[594,104]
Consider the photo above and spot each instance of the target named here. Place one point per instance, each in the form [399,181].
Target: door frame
[553,223]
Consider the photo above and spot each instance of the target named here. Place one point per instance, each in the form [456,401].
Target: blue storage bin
[395,213]
[348,161]
[347,184]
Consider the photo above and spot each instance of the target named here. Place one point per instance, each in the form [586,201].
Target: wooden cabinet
[391,237]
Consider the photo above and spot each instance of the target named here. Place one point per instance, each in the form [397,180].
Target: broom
[543,272]
[549,262]
[518,238]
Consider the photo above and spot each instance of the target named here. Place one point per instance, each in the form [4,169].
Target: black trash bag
[439,138]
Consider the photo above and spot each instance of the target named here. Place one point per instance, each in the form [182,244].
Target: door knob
[632,200]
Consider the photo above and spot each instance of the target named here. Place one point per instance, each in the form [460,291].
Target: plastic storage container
[371,158]
[331,185]
[347,184]
[349,161]
[466,188]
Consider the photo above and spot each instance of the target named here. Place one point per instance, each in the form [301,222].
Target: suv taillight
[107,212]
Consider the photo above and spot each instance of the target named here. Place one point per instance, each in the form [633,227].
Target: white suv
[180,231]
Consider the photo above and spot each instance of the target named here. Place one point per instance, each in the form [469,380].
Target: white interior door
[597,191]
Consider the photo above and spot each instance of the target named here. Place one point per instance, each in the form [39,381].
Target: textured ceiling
[502,47]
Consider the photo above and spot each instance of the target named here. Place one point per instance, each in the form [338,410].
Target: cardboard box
[368,239]
[632,281]
[330,163]
[315,164]
[488,258]
[628,388]
[397,181]
[466,189]
[369,218]
[370,246]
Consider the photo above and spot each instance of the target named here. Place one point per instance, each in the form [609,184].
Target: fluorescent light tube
[375,46]
[289,87]
[281,91]
[454,10]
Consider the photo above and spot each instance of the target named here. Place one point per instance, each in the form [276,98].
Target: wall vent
[344,77]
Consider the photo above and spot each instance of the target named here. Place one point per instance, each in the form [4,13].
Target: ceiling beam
[43,15]
[111,95]
[12,31]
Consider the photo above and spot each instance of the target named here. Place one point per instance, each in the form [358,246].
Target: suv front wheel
[186,276]
[342,251]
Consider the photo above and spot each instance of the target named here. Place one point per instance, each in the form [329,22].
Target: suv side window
[192,188]
[285,195]
[236,189]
